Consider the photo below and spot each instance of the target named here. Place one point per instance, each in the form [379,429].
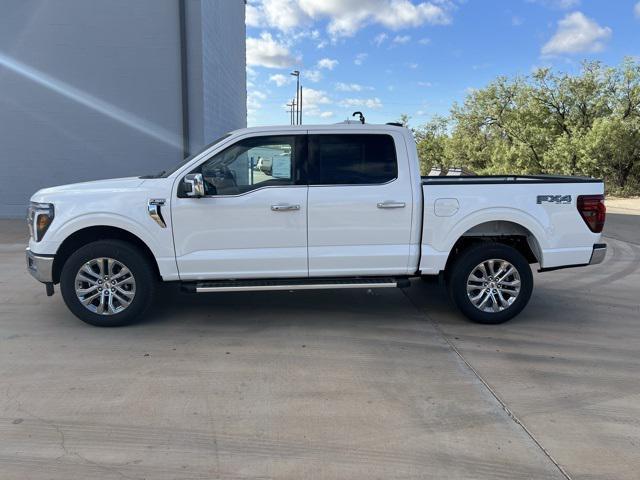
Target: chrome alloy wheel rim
[493,285]
[105,286]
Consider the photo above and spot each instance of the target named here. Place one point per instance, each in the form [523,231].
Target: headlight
[39,217]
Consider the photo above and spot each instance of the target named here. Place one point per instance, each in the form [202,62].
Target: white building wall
[223,44]
[92,89]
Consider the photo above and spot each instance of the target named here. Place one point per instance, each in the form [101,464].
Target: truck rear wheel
[108,283]
[490,283]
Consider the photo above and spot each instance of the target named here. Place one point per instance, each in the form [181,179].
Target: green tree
[548,122]
[431,142]
[612,150]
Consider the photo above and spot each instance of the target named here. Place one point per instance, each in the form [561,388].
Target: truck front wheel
[490,283]
[107,283]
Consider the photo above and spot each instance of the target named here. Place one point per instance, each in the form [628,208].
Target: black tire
[131,257]
[467,262]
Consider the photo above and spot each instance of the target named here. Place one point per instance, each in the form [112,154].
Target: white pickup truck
[339,206]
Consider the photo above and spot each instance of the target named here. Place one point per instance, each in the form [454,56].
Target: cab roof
[350,126]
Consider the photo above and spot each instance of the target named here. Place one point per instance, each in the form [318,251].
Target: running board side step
[295,284]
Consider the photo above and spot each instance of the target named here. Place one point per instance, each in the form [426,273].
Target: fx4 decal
[559,199]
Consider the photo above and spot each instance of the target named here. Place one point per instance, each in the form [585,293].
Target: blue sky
[388,57]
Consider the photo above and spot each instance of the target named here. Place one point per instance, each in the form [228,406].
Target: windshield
[166,173]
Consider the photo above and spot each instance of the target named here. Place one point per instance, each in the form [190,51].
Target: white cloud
[576,33]
[425,84]
[360,58]
[327,63]
[351,87]
[400,39]
[326,114]
[267,52]
[280,79]
[312,75]
[315,97]
[636,10]
[403,13]
[567,3]
[253,16]
[284,15]
[424,41]
[254,99]
[412,66]
[361,102]
[481,66]
[380,39]
[312,100]
[345,18]
[348,87]
[557,4]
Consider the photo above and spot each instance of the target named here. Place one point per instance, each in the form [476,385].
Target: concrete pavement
[331,384]
[627,206]
[623,227]
[568,366]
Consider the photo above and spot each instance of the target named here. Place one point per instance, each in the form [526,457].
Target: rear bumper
[40,266]
[598,254]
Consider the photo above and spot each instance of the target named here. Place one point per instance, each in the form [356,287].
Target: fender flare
[103,219]
[538,231]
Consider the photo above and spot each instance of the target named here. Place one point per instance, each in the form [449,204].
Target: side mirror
[193,185]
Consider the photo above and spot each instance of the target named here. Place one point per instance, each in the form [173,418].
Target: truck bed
[541,207]
[497,179]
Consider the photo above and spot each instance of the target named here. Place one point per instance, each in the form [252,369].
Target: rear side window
[346,159]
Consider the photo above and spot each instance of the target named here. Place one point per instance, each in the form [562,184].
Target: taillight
[592,211]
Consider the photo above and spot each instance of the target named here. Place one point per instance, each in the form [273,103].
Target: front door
[360,205]
[252,223]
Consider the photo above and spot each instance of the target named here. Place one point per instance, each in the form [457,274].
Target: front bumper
[598,253]
[40,266]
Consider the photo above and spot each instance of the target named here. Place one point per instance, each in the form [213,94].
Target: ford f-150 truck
[341,206]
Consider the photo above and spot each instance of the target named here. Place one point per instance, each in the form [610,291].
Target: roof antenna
[360,115]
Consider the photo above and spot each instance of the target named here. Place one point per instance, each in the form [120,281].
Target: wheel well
[507,233]
[91,234]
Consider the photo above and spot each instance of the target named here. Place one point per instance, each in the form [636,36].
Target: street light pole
[296,73]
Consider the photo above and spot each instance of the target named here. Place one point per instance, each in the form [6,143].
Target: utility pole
[293,111]
[296,73]
[291,105]
[300,104]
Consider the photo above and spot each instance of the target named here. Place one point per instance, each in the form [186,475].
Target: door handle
[284,207]
[392,205]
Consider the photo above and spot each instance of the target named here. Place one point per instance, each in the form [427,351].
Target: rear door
[360,204]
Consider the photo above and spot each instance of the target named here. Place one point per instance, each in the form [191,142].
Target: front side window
[352,159]
[249,164]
